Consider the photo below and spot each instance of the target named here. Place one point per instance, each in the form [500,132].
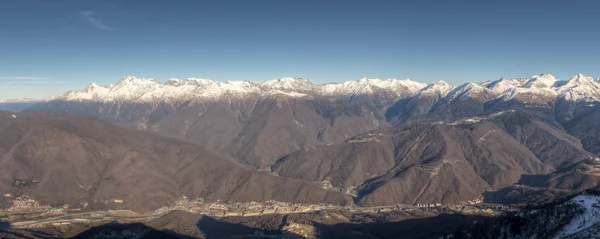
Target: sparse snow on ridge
[473,120]
[538,90]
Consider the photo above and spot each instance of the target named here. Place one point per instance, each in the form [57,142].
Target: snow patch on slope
[473,120]
[591,216]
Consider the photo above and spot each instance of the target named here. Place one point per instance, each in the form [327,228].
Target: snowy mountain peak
[173,81]
[437,85]
[92,92]
[411,85]
[440,82]
[541,81]
[289,83]
[471,90]
[484,83]
[580,88]
[399,88]
[367,80]
[188,81]
[463,88]
[128,77]
[289,80]
[537,90]
[92,87]
[504,84]
[132,80]
[439,88]
[411,82]
[580,79]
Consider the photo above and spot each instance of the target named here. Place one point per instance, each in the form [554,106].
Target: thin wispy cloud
[23,78]
[32,82]
[88,17]
[27,80]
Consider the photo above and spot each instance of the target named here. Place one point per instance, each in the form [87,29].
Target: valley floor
[69,222]
[64,217]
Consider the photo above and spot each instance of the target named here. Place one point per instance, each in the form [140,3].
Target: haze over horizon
[52,47]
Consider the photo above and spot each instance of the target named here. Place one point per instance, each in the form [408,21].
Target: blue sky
[48,47]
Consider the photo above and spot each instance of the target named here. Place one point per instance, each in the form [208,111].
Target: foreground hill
[89,163]
[448,161]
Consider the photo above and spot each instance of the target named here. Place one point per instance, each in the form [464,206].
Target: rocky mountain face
[444,162]
[91,164]
[256,123]
[383,141]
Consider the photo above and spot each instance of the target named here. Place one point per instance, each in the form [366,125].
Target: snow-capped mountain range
[537,89]
[131,88]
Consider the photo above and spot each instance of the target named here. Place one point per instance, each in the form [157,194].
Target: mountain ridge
[130,88]
[260,122]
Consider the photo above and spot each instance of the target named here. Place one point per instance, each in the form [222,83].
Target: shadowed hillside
[91,164]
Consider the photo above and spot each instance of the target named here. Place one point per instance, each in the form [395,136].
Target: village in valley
[28,213]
